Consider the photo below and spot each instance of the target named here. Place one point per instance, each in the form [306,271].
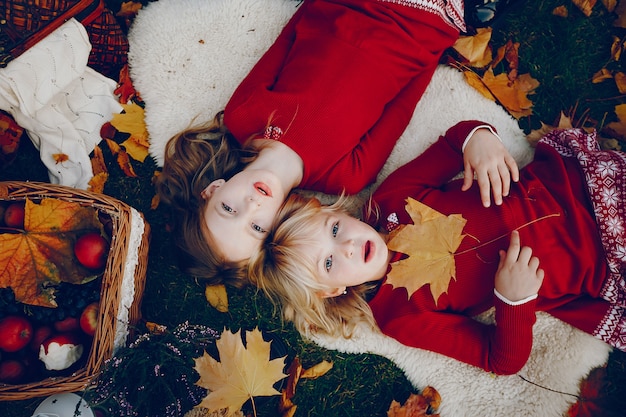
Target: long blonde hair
[289,277]
[193,159]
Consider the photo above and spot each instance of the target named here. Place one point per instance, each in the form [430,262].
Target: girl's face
[241,210]
[349,252]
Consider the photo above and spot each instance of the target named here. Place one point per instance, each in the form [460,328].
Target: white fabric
[187,56]
[127,293]
[62,103]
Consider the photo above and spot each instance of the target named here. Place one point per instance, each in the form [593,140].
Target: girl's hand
[486,158]
[518,275]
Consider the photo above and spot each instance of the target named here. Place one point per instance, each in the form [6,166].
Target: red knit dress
[551,208]
[340,84]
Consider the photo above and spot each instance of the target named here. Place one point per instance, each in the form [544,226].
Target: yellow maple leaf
[131,120]
[430,243]
[217,297]
[242,372]
[475,48]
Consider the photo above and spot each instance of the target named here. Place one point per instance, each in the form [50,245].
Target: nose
[254,200]
[348,248]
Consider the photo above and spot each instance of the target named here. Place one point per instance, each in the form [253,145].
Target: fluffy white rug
[187,56]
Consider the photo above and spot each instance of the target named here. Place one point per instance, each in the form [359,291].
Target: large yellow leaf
[242,372]
[430,244]
[475,48]
[34,259]
[132,121]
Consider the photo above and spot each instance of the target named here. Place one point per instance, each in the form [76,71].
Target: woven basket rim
[110,293]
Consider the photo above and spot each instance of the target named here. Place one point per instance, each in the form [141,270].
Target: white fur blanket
[187,56]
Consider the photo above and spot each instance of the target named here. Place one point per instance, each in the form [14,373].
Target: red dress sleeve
[502,349]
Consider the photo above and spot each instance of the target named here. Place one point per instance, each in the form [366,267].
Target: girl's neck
[281,159]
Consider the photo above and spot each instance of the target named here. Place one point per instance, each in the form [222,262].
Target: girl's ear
[333,293]
[208,191]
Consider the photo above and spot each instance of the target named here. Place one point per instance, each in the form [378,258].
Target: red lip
[368,251]
[263,189]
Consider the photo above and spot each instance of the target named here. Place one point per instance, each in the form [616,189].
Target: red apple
[40,334]
[92,250]
[12,371]
[89,318]
[68,324]
[15,333]
[14,215]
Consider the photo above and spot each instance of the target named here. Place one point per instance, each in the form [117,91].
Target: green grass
[562,53]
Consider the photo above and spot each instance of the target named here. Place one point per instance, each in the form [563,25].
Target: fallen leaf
[593,396]
[317,370]
[97,161]
[535,135]
[475,48]
[618,129]
[610,5]
[124,162]
[430,243]
[34,260]
[617,47]
[60,157]
[154,202]
[511,95]
[585,6]
[125,89]
[97,182]
[294,371]
[560,11]
[602,75]
[217,297]
[620,82]
[129,8]
[242,372]
[131,121]
[417,405]
[475,81]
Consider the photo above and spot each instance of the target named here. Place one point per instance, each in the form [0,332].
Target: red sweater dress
[340,84]
[551,209]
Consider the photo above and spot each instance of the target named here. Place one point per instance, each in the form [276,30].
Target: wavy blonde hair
[288,276]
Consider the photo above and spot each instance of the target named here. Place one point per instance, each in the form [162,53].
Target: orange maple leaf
[430,243]
[60,157]
[417,405]
[512,95]
[33,260]
[125,88]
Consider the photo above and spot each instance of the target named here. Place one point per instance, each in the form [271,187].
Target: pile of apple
[32,349]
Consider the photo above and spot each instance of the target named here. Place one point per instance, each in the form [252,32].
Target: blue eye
[335,229]
[227,208]
[328,263]
[258,228]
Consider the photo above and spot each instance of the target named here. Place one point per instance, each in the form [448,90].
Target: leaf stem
[506,234]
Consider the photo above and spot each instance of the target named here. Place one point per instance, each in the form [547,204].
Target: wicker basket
[126,243]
